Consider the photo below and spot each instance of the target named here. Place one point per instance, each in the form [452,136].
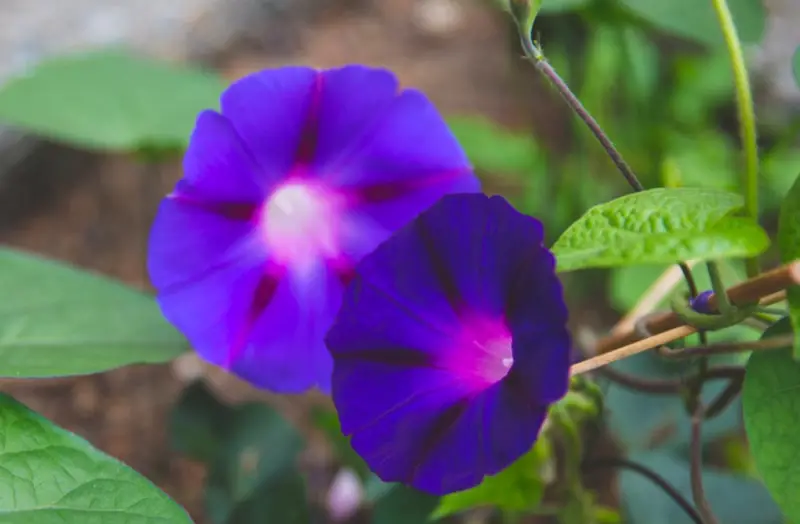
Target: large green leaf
[771,401]
[109,100]
[57,320]
[735,499]
[697,20]
[519,487]
[51,476]
[789,244]
[253,475]
[660,226]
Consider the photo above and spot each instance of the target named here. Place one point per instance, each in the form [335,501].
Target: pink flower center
[300,224]
[483,355]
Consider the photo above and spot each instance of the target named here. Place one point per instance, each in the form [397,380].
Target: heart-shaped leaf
[51,476]
[110,100]
[660,226]
[56,320]
[771,402]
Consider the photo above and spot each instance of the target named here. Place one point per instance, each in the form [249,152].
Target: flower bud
[524,13]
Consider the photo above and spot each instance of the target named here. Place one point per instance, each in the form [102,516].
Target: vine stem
[750,291]
[747,118]
[696,467]
[659,339]
[535,55]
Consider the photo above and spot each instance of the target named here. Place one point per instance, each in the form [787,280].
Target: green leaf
[494,150]
[110,100]
[60,321]
[734,499]
[519,487]
[771,402]
[199,423]
[403,505]
[51,476]
[660,226]
[253,477]
[789,244]
[697,21]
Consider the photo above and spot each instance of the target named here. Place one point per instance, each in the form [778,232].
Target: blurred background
[662,93]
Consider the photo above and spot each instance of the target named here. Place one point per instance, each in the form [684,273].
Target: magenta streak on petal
[262,296]
[239,211]
[383,191]
[310,134]
[343,268]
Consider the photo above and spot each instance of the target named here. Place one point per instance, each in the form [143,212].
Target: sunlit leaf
[660,226]
[51,476]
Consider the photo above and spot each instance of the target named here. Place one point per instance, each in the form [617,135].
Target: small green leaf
[771,402]
[734,499]
[254,472]
[660,226]
[697,21]
[109,100]
[789,244]
[519,487]
[796,65]
[60,321]
[403,505]
[199,423]
[51,476]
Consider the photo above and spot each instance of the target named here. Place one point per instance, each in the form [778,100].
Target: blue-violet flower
[450,345]
[301,174]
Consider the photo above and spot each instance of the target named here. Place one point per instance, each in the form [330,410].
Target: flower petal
[286,350]
[218,166]
[271,111]
[352,99]
[188,242]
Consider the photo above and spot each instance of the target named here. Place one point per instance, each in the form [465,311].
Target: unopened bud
[524,13]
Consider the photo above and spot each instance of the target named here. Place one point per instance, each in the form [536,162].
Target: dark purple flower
[301,174]
[450,344]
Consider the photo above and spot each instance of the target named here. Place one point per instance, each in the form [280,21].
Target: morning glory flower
[450,345]
[301,174]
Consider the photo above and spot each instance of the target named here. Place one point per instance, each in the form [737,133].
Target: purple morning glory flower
[450,345]
[301,174]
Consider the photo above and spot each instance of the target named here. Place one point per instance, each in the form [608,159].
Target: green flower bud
[524,13]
